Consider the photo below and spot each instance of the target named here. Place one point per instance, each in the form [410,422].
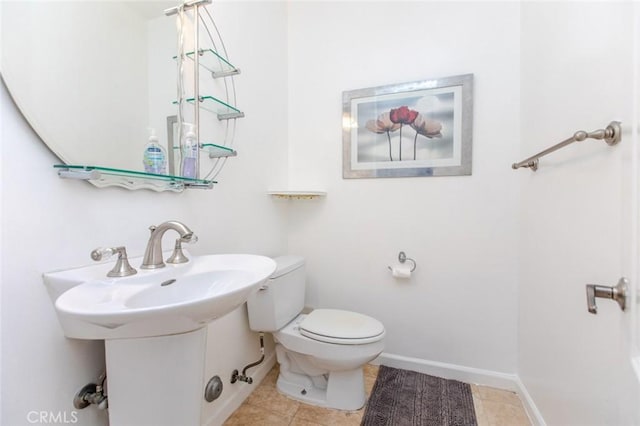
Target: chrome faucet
[153,254]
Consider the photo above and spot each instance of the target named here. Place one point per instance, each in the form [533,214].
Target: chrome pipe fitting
[92,393]
[236,376]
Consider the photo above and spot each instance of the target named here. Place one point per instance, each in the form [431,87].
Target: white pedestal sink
[153,324]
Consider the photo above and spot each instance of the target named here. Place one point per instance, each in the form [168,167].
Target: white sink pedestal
[156,380]
[154,325]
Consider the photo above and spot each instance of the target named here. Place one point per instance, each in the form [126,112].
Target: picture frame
[417,129]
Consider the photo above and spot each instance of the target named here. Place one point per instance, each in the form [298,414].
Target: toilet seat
[341,327]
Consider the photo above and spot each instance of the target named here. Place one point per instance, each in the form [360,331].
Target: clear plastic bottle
[190,154]
[154,157]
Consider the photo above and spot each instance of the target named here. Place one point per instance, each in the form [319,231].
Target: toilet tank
[281,298]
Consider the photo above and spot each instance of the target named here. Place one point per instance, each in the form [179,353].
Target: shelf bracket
[187,5]
[221,74]
[230,115]
[79,174]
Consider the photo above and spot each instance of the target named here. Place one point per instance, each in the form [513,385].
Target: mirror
[92,77]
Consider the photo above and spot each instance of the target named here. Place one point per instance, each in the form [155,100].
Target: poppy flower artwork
[421,128]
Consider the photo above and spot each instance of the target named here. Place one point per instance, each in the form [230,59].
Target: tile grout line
[294,415]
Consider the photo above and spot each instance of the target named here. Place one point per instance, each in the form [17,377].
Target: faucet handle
[190,238]
[178,255]
[102,253]
[122,267]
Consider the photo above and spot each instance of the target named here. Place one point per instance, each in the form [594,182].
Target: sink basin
[175,299]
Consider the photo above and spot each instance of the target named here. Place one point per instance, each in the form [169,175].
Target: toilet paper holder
[402,258]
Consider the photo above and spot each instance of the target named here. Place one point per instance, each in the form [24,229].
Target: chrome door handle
[617,293]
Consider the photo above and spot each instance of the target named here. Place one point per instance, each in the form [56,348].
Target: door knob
[617,293]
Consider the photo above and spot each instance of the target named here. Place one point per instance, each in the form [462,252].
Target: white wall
[50,223]
[576,224]
[460,305]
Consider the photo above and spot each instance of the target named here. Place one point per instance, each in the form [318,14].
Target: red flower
[403,115]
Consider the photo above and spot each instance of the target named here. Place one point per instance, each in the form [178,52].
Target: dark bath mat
[407,398]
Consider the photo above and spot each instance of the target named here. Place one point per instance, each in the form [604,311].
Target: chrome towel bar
[612,134]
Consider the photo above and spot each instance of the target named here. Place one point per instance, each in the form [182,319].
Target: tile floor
[267,407]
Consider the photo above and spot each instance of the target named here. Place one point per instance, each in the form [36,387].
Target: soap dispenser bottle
[190,154]
[154,158]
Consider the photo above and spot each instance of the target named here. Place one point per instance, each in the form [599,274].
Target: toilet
[321,354]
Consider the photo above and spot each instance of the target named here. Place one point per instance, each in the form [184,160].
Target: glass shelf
[130,179]
[223,110]
[213,62]
[215,151]
[218,151]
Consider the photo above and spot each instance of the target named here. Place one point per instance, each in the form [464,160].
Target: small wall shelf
[213,62]
[215,151]
[212,68]
[223,110]
[130,179]
[298,195]
[218,151]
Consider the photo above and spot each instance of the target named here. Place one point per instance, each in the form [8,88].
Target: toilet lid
[342,327]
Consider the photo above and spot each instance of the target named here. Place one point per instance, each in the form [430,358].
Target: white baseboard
[532,410]
[465,374]
[451,371]
[226,410]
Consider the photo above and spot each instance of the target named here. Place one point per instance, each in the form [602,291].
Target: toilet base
[344,389]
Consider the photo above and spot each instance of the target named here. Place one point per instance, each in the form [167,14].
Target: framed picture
[422,128]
